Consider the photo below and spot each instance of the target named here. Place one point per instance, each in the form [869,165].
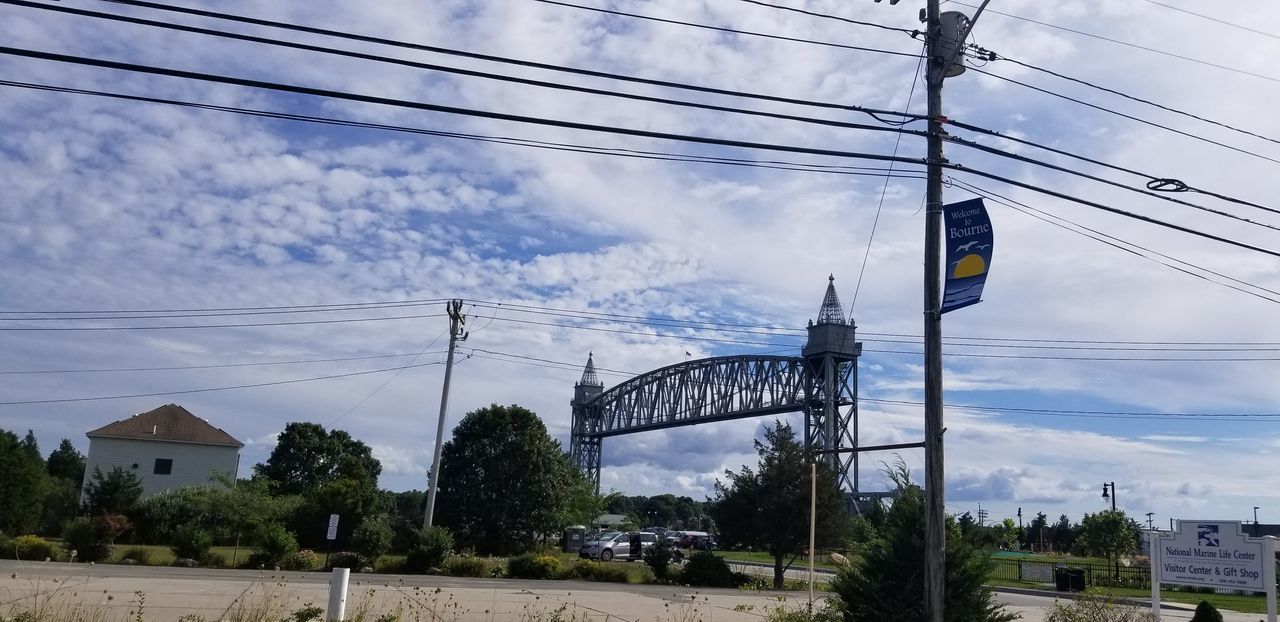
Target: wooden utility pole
[935,518]
[456,321]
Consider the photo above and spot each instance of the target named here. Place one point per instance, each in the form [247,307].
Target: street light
[1255,521]
[1112,496]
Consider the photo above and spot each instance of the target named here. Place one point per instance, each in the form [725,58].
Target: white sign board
[333,528]
[1212,553]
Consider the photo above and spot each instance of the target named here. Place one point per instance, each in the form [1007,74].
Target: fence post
[338,595]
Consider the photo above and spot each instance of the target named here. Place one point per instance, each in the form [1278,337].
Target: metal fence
[1095,575]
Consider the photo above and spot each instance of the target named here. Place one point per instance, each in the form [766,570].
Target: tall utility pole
[943,48]
[456,321]
[934,525]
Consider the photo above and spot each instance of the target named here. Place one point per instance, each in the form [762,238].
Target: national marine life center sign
[1213,553]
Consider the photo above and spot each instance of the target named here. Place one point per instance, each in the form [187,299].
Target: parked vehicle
[687,538]
[703,543]
[618,547]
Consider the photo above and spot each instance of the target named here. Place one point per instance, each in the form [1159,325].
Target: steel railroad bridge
[822,383]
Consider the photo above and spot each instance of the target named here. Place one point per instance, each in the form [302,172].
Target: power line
[400,103]
[1126,43]
[205,326]
[465,72]
[906,31]
[215,366]
[583,126]
[1098,235]
[989,55]
[388,380]
[496,59]
[640,154]
[208,389]
[723,29]
[1097,414]
[1126,116]
[306,308]
[1213,19]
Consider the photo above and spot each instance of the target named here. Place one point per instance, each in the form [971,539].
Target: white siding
[192,463]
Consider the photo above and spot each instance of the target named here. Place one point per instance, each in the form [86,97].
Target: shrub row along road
[170,593]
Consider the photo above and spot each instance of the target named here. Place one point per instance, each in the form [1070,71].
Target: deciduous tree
[768,508]
[504,482]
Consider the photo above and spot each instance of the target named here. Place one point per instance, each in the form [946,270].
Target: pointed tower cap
[589,376]
[832,312]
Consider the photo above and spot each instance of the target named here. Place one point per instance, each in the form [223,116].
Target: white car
[617,546]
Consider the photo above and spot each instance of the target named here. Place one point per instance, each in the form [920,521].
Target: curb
[1072,595]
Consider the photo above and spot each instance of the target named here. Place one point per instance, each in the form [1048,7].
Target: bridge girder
[722,388]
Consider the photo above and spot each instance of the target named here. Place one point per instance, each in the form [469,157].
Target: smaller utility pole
[1149,522]
[456,321]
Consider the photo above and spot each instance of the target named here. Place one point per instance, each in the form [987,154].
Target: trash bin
[1061,580]
[1075,579]
[574,538]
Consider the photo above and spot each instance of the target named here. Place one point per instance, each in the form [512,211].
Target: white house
[166,448]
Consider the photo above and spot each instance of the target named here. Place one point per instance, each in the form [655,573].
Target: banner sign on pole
[967,234]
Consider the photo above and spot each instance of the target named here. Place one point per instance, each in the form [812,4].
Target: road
[111,592]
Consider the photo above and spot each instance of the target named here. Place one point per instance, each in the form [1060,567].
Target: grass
[765,558]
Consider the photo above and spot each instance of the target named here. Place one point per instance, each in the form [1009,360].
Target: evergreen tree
[887,583]
[22,484]
[66,462]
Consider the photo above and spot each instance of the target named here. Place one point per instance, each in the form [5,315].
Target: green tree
[504,482]
[61,504]
[306,457]
[22,486]
[1109,534]
[372,539]
[887,582]
[67,463]
[1064,534]
[1206,612]
[1038,530]
[659,511]
[769,508]
[117,492]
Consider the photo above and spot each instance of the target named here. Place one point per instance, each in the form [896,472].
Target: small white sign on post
[1213,554]
[333,528]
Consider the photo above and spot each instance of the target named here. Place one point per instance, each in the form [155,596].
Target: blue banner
[967,234]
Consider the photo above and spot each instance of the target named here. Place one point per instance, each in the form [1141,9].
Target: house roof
[170,422]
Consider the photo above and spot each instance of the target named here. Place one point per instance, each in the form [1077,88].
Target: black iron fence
[1094,575]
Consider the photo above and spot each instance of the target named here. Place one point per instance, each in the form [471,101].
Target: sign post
[1213,554]
[330,536]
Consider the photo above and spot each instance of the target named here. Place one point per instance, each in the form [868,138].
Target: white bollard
[338,595]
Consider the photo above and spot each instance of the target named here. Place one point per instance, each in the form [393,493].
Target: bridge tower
[584,450]
[831,395]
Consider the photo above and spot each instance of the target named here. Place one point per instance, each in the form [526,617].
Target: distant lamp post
[1255,521]
[1112,496]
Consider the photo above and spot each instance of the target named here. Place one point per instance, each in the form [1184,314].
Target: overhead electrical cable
[502,59]
[719,28]
[1099,236]
[388,380]
[94,62]
[1126,116]
[470,72]
[1126,43]
[190,367]
[339,306]
[995,56]
[906,31]
[1214,19]
[1153,181]
[209,389]
[208,326]
[807,167]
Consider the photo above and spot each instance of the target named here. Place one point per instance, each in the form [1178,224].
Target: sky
[124,205]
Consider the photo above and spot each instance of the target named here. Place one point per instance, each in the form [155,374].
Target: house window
[164,466]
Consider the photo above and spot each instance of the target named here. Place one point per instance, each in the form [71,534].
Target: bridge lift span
[822,383]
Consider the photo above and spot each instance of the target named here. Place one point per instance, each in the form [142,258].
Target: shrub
[32,548]
[214,560]
[466,566]
[110,526]
[1206,612]
[705,569]
[372,538]
[82,536]
[306,559]
[6,546]
[1097,609]
[586,570]
[346,559]
[139,555]
[432,546]
[275,543]
[658,558]
[533,566]
[191,542]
